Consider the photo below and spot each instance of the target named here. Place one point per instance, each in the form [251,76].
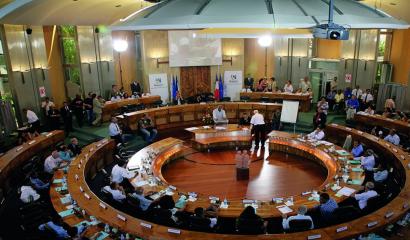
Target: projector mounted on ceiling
[331,30]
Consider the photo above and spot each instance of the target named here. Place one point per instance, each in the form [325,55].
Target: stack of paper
[346,191]
[284,209]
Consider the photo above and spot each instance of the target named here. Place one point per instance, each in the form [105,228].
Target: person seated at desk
[249,222]
[178,99]
[357,149]
[302,210]
[327,207]
[276,90]
[393,137]
[390,104]
[146,127]
[37,183]
[246,89]
[368,161]
[74,147]
[317,135]
[258,127]
[147,94]
[55,225]
[272,84]
[117,192]
[245,120]
[219,115]
[136,88]
[163,212]
[288,88]
[65,153]
[262,85]
[369,110]
[352,106]
[366,99]
[368,193]
[54,162]
[119,172]
[144,202]
[28,194]
[199,220]
[380,174]
[115,98]
[115,131]
[33,120]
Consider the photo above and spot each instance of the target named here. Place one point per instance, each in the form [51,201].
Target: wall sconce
[228,59]
[347,59]
[365,65]
[161,62]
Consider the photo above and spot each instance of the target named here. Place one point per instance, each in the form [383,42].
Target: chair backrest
[373,203]
[346,213]
[250,226]
[298,225]
[133,202]
[199,224]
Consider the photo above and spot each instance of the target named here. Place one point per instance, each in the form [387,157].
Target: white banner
[158,85]
[232,84]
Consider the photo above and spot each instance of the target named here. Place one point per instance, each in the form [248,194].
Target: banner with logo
[158,85]
[233,84]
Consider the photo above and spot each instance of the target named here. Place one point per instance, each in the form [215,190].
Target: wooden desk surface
[171,147]
[17,156]
[304,99]
[380,121]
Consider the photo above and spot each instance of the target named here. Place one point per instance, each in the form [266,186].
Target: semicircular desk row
[157,154]
[192,114]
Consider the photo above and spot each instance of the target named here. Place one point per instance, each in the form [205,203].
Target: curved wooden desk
[364,121]
[110,107]
[19,155]
[188,115]
[303,99]
[83,167]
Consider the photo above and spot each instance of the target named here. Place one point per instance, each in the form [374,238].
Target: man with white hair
[258,125]
[219,115]
[366,195]
[300,216]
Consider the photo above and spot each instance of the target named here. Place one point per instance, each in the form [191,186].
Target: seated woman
[65,153]
[369,110]
[249,222]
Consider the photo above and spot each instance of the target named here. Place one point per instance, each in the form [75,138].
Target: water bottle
[107,228]
[225,201]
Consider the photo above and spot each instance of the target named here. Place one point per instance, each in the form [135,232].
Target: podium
[242,174]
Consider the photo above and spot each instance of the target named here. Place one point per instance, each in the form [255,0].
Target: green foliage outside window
[69,51]
[68,31]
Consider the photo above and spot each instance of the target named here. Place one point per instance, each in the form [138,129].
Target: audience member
[333,84]
[115,131]
[54,162]
[34,122]
[67,116]
[302,210]
[258,127]
[369,110]
[339,101]
[347,94]
[46,104]
[288,88]
[305,84]
[327,207]
[352,106]
[390,104]
[357,92]
[98,105]
[318,134]
[323,105]
[147,128]
[78,107]
[366,99]
[393,137]
[330,98]
[74,146]
[219,115]
[366,195]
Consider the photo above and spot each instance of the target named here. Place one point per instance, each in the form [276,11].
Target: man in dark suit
[249,82]
[74,147]
[136,88]
[67,115]
[178,99]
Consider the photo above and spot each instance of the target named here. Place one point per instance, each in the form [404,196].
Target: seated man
[54,162]
[37,183]
[368,161]
[178,99]
[393,137]
[357,149]
[198,219]
[119,172]
[146,127]
[28,194]
[219,115]
[115,131]
[55,225]
[116,191]
[245,120]
[144,202]
[318,134]
[327,207]
[363,197]
[380,174]
[65,153]
[74,146]
[302,210]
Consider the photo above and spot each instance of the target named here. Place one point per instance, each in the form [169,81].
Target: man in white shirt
[144,202]
[258,127]
[119,172]
[366,195]
[115,131]
[305,84]
[333,84]
[300,216]
[368,161]
[317,135]
[288,88]
[357,92]
[28,194]
[54,162]
[46,105]
[33,120]
[393,137]
[219,115]
[366,99]
[116,191]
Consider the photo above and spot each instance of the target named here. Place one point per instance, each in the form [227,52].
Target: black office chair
[298,225]
[344,214]
[244,98]
[250,226]
[373,203]
[226,99]
[199,224]
[158,103]
[264,99]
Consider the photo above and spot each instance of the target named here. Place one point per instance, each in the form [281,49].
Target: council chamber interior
[204,119]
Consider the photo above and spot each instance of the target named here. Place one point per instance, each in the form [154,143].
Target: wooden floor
[214,174]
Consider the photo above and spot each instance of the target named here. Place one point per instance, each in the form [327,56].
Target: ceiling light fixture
[265,41]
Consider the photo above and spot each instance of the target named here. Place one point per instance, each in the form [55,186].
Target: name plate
[121,217]
[102,205]
[76,177]
[19,148]
[174,231]
[91,149]
[341,229]
[104,141]
[372,224]
[146,225]
[317,236]
[79,166]
[389,214]
[306,193]
[172,187]
[81,189]
[394,150]
[48,135]
[99,145]
[31,142]
[87,196]
[81,161]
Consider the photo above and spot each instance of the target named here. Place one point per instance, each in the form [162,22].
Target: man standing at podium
[258,125]
[219,115]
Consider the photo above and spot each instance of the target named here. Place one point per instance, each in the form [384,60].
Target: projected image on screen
[187,50]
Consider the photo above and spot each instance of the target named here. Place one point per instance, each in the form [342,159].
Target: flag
[176,85]
[216,92]
[173,89]
[221,87]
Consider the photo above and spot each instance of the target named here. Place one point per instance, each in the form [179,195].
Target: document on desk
[141,183]
[192,129]
[346,191]
[284,209]
[66,213]
[342,152]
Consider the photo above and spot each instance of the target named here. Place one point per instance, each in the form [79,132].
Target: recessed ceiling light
[119,5]
[392,3]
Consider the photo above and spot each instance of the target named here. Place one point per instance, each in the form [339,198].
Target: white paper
[192,129]
[346,191]
[285,209]
[141,183]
